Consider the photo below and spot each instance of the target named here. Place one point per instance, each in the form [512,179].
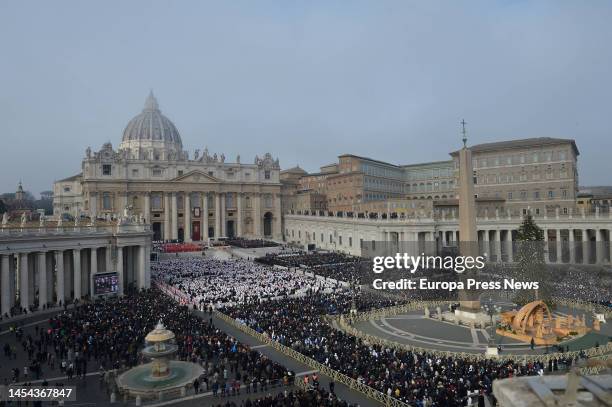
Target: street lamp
[491,309]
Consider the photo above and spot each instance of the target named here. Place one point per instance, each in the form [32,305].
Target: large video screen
[107,283]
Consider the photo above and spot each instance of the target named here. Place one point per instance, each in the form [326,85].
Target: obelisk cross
[463,123]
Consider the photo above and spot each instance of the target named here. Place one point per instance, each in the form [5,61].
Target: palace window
[157,172]
[106,201]
[135,172]
[229,200]
[66,189]
[180,173]
[106,169]
[156,202]
[268,200]
[267,174]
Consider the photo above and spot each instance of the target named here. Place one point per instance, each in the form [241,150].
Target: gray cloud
[306,81]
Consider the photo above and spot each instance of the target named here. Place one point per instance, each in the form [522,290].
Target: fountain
[163,375]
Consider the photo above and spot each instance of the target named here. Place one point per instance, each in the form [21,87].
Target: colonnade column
[585,247]
[147,207]
[167,227]
[24,286]
[486,247]
[187,217]
[93,268]
[204,226]
[217,215]
[572,246]
[599,255]
[42,278]
[6,298]
[59,276]
[510,246]
[497,242]
[76,256]
[120,268]
[546,247]
[610,240]
[239,214]
[558,244]
[174,215]
[141,267]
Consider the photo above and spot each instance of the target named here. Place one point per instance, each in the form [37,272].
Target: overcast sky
[304,80]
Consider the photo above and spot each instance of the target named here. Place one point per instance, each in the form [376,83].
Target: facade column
[42,279]
[217,215]
[257,215]
[174,216]
[204,226]
[187,217]
[223,220]
[239,214]
[120,268]
[572,246]
[5,282]
[93,203]
[559,247]
[167,227]
[141,267]
[585,247]
[147,207]
[24,285]
[76,256]
[59,276]
[276,219]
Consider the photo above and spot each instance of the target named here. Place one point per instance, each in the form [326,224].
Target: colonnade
[32,279]
[586,240]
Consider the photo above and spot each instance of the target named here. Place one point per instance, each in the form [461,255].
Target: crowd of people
[316,397]
[207,280]
[108,334]
[415,378]
[251,243]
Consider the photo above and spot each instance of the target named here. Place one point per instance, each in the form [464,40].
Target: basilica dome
[151,129]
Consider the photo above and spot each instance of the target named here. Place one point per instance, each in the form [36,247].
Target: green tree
[2,207]
[530,259]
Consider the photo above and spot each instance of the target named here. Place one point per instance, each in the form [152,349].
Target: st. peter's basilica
[183,196]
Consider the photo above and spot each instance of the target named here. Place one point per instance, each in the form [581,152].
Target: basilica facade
[188,197]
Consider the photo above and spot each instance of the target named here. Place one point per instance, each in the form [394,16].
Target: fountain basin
[138,381]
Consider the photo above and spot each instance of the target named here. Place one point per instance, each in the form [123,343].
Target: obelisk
[468,235]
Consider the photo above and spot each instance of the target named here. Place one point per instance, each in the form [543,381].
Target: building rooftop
[520,143]
[370,159]
[73,178]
